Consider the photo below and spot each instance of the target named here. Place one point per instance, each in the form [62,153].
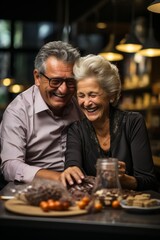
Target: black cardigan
[129,143]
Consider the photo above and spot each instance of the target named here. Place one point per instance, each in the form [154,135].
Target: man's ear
[36,77]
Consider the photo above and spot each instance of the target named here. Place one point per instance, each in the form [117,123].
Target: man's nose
[63,86]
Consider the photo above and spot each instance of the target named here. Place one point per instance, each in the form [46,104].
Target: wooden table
[108,223]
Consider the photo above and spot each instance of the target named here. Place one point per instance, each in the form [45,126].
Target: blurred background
[97,26]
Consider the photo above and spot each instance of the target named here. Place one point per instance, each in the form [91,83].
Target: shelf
[143,109]
[156,161]
[137,89]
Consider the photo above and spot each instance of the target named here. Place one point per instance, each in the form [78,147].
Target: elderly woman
[106,131]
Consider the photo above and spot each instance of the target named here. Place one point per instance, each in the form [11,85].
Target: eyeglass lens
[56,82]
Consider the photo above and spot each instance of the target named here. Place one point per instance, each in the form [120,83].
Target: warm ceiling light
[112,56]
[150,50]
[101,25]
[129,44]
[154,6]
[7,81]
[109,52]
[16,88]
[151,47]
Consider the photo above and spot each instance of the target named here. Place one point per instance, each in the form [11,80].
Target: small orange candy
[65,205]
[85,199]
[81,204]
[98,206]
[58,205]
[115,204]
[44,206]
[51,204]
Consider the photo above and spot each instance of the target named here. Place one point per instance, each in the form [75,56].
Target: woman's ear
[111,98]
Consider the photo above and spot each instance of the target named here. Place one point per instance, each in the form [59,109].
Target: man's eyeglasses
[57,82]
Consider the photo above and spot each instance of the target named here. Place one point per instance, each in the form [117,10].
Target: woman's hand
[121,168]
[127,182]
[70,175]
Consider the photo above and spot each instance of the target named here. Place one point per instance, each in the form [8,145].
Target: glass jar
[107,186]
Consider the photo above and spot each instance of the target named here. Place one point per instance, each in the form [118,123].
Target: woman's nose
[87,101]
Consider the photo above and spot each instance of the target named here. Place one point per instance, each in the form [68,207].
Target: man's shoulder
[24,95]
[21,101]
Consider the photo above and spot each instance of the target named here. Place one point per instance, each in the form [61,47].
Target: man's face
[58,96]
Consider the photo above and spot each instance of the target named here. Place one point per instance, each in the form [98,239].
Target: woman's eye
[93,95]
[90,96]
[80,96]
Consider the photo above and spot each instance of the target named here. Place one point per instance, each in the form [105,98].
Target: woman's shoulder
[128,113]
[133,116]
[134,121]
[119,116]
[130,119]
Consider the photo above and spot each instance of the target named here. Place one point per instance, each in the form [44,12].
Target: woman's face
[92,99]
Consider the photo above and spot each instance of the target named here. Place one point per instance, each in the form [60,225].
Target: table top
[115,222]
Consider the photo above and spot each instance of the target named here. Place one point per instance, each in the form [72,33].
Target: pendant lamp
[151,47]
[66,27]
[109,52]
[130,43]
[154,6]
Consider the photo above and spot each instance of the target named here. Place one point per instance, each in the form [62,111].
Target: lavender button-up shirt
[32,137]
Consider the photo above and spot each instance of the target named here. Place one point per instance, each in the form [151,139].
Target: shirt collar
[40,104]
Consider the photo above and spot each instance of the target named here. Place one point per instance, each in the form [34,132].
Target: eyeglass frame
[61,81]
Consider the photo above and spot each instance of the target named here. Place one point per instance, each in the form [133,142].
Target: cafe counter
[108,223]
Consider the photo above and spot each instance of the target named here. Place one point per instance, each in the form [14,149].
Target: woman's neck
[102,131]
[102,128]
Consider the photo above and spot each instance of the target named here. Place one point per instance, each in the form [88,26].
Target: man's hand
[71,175]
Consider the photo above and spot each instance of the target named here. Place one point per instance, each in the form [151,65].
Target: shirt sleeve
[143,166]
[73,155]
[13,146]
